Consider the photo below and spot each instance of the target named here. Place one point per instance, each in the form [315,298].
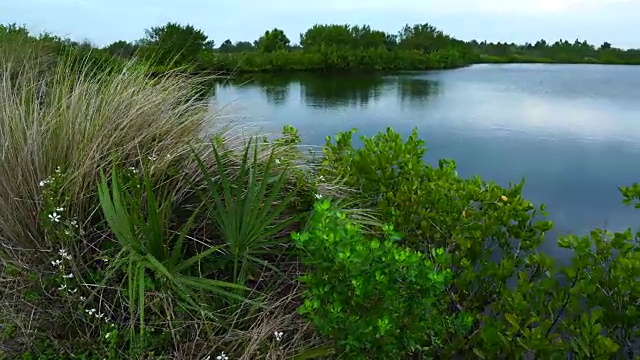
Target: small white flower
[99,315]
[278,335]
[68,276]
[60,209]
[318,196]
[153,158]
[82,298]
[54,217]
[321,178]
[133,169]
[222,356]
[56,262]
[73,291]
[43,183]
[58,170]
[63,253]
[74,223]
[277,161]
[62,287]
[90,312]
[107,336]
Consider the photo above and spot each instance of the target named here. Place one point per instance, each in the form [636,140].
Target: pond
[572,131]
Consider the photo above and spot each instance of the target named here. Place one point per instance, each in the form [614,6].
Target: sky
[520,21]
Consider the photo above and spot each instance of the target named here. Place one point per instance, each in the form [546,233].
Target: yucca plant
[250,208]
[149,249]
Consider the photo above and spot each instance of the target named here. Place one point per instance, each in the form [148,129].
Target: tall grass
[78,120]
[70,119]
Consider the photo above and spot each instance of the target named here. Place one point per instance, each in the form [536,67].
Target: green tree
[244,46]
[423,37]
[175,44]
[320,36]
[122,49]
[272,41]
[226,46]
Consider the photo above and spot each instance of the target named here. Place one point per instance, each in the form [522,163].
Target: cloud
[495,20]
[532,7]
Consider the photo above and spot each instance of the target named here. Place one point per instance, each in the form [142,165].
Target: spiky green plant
[250,208]
[149,247]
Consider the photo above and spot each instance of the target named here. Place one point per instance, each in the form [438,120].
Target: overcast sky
[105,21]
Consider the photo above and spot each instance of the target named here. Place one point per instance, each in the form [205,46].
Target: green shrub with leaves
[588,309]
[434,208]
[374,297]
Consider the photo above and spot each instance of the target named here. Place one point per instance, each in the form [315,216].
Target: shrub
[588,309]
[434,208]
[375,298]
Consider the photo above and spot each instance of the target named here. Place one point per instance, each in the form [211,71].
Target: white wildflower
[321,178]
[133,169]
[82,298]
[58,170]
[277,161]
[62,287]
[99,315]
[73,291]
[107,336]
[68,276]
[74,223]
[318,196]
[153,158]
[44,182]
[90,312]
[63,253]
[54,217]
[278,335]
[56,262]
[222,356]
[60,209]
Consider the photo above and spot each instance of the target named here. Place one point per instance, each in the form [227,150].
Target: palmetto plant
[249,209]
[149,249]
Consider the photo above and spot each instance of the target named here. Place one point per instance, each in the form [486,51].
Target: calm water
[573,131]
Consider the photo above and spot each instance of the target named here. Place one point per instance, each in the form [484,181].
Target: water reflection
[334,91]
[339,91]
[416,92]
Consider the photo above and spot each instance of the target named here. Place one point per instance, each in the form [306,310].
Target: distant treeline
[336,48]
